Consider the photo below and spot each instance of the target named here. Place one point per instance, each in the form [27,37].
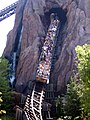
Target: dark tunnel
[60,13]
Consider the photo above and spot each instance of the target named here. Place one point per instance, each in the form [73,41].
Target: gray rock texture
[76,31]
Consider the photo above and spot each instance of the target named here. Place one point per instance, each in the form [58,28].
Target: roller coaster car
[43,71]
[40,79]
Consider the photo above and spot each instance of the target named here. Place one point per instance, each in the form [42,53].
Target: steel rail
[8,11]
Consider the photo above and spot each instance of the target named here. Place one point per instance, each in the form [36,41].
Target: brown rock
[87,8]
[9,47]
[88,25]
[34,26]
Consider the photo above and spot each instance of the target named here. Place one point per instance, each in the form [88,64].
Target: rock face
[30,29]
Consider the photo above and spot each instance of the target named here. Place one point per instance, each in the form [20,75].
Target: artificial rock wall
[30,15]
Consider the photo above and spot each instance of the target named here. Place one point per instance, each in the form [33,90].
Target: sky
[5,25]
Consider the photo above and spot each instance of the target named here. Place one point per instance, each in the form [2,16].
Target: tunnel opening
[60,13]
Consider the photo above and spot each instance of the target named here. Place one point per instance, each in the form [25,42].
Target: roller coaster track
[33,104]
[8,11]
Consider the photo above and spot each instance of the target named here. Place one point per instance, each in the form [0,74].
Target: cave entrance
[60,13]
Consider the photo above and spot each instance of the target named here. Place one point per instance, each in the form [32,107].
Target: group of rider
[47,49]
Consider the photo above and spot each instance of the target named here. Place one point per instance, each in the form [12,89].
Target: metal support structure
[33,105]
[8,11]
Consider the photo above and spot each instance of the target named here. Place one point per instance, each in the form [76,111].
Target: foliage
[3,75]
[83,53]
[59,110]
[71,102]
[4,85]
[59,119]
[7,117]
[76,103]
[68,106]
[1,111]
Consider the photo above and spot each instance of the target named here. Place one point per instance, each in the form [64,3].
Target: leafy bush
[68,106]
[71,102]
[75,105]
[83,53]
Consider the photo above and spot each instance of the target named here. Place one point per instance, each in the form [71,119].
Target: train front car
[45,61]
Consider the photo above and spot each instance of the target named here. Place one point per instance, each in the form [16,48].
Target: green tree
[4,85]
[71,102]
[83,54]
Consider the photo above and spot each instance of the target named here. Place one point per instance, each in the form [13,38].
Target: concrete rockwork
[75,31]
